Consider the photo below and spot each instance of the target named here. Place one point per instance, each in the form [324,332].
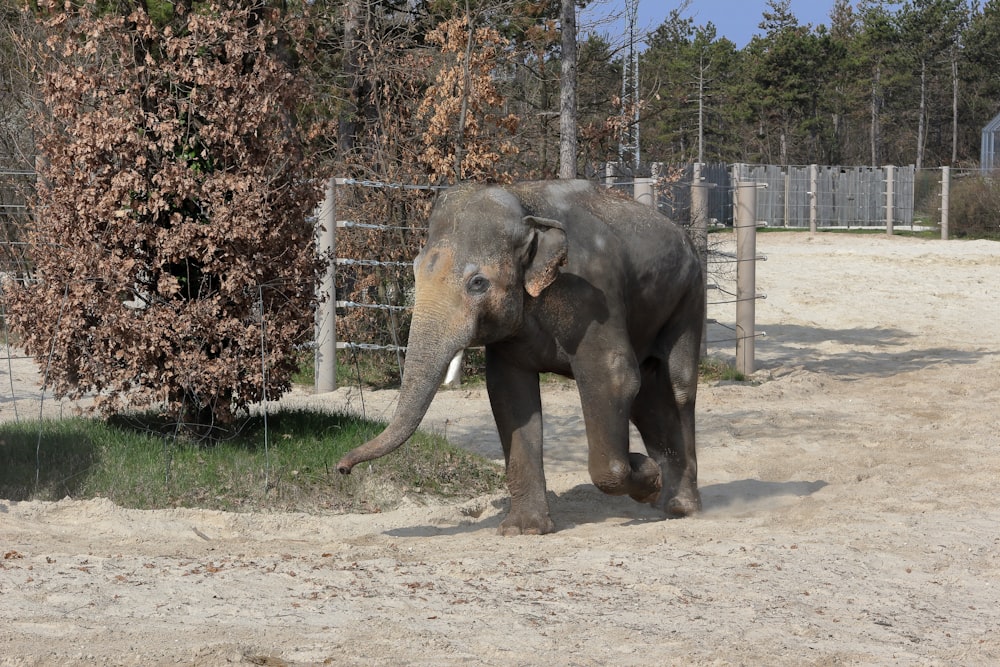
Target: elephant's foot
[639,478]
[684,502]
[645,480]
[526,523]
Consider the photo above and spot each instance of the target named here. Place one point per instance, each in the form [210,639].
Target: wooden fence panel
[845,196]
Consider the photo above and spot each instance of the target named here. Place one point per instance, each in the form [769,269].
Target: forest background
[881,83]
[191,127]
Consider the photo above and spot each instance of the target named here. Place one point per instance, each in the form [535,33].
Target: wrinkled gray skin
[562,277]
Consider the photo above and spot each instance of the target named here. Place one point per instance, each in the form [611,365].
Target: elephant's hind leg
[663,412]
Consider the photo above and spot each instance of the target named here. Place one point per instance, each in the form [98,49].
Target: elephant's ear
[546,253]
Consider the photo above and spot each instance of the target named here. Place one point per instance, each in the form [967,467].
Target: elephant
[562,277]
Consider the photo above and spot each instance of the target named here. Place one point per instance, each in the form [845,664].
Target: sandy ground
[851,517]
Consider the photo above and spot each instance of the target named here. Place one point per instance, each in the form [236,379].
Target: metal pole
[813,197]
[699,233]
[890,200]
[945,200]
[746,275]
[326,312]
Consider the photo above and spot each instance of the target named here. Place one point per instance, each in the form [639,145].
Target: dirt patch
[850,516]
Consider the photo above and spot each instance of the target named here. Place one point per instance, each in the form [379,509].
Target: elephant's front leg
[517,407]
[608,382]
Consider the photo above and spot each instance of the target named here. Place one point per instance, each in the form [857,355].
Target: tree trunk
[701,107]
[922,115]
[463,113]
[567,102]
[875,128]
[954,107]
[348,124]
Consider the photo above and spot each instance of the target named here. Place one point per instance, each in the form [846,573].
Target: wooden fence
[824,196]
[811,196]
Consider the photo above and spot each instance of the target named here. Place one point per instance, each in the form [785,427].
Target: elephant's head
[484,256]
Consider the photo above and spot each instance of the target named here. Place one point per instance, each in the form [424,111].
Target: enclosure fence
[742,294]
[830,198]
[813,197]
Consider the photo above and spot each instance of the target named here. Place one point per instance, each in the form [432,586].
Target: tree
[846,94]
[876,45]
[567,85]
[785,75]
[932,27]
[689,113]
[675,66]
[466,127]
[596,74]
[980,74]
[16,145]
[173,260]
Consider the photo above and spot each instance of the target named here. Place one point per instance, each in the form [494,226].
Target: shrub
[974,209]
[172,255]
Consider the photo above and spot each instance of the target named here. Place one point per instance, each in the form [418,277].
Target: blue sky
[735,19]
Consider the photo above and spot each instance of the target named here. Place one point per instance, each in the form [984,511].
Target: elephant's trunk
[431,346]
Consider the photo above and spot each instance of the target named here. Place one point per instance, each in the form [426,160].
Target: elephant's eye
[478,284]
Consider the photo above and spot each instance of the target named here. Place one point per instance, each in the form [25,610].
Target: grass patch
[711,369]
[138,462]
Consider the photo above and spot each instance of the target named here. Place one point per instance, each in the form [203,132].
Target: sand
[851,516]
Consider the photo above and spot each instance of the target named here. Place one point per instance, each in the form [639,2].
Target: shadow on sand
[585,504]
[874,352]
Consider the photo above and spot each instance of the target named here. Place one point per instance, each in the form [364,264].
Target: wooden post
[654,173]
[326,312]
[746,275]
[945,200]
[788,197]
[609,174]
[813,196]
[890,199]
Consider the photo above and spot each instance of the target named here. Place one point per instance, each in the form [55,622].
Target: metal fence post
[746,275]
[890,199]
[326,311]
[945,200]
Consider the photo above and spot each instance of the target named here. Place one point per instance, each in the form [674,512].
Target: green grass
[139,462]
[712,369]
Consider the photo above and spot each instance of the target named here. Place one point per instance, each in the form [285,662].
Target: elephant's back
[606,229]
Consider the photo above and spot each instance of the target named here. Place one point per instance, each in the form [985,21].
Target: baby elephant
[562,277]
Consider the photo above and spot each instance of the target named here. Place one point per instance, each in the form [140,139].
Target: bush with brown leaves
[173,259]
